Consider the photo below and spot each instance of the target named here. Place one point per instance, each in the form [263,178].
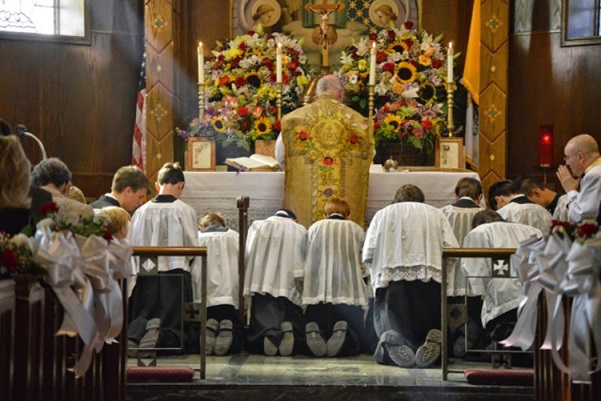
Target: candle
[372,65]
[450,63]
[201,63]
[546,145]
[278,60]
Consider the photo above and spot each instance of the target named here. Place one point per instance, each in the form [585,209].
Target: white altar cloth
[218,191]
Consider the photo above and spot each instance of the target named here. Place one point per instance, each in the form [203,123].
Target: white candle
[372,65]
[201,63]
[450,63]
[278,62]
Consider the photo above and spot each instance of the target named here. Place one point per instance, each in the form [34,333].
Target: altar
[218,191]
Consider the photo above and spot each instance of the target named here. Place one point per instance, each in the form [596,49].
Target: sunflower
[406,72]
[263,126]
[218,123]
[398,46]
[253,79]
[394,121]
[427,92]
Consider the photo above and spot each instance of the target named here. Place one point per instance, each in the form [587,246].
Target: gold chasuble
[329,148]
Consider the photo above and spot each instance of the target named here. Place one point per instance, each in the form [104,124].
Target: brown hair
[409,193]
[16,170]
[118,218]
[337,205]
[211,218]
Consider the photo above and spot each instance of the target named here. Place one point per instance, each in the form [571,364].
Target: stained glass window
[44,17]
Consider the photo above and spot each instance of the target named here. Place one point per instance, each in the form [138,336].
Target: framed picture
[449,153]
[201,154]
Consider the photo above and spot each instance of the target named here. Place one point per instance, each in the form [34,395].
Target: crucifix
[324,34]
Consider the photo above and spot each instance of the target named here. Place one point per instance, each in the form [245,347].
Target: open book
[254,163]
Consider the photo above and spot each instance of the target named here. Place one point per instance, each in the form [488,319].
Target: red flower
[303,135]
[293,65]
[391,34]
[353,138]
[242,46]
[555,223]
[328,161]
[277,125]
[427,124]
[242,111]
[381,56]
[373,36]
[106,234]
[436,64]
[240,82]
[587,230]
[48,207]
[10,259]
[408,42]
[408,24]
[224,80]
[235,63]
[270,36]
[268,63]
[377,125]
[388,66]
[245,126]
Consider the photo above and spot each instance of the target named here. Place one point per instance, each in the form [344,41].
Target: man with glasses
[580,177]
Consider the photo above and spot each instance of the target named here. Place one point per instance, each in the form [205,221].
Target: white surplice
[460,219]
[164,224]
[333,269]
[274,258]
[561,209]
[404,242]
[500,294]
[530,214]
[222,268]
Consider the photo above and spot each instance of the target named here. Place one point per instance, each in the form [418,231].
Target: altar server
[156,301]
[555,203]
[403,250]
[334,291]
[275,256]
[224,328]
[501,295]
[513,206]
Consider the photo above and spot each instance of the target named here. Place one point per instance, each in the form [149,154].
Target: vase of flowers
[410,90]
[242,89]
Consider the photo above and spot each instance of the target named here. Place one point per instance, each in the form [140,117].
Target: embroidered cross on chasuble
[329,148]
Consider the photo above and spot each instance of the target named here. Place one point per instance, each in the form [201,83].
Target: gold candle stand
[201,101]
[279,100]
[451,87]
[371,100]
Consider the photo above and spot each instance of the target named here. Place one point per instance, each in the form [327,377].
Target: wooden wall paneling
[160,30]
[493,90]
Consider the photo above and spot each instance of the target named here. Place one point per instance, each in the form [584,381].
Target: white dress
[530,214]
[164,224]
[500,294]
[222,268]
[460,219]
[404,241]
[333,269]
[274,258]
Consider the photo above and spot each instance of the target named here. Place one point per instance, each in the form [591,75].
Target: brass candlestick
[279,100]
[451,87]
[201,101]
[371,99]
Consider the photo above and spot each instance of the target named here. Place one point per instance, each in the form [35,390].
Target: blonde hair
[211,218]
[337,205]
[76,194]
[16,172]
[118,218]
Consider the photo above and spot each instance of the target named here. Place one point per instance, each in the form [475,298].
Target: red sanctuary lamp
[545,145]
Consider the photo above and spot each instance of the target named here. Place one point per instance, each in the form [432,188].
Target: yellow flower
[218,123]
[398,46]
[253,79]
[406,72]
[362,65]
[425,60]
[263,126]
[302,80]
[232,53]
[394,121]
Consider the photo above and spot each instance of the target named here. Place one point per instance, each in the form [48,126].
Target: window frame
[565,23]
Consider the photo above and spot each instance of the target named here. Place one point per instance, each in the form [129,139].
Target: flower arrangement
[587,229]
[242,88]
[410,90]
[16,257]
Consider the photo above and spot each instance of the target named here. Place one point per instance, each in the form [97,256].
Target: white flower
[20,240]
[47,222]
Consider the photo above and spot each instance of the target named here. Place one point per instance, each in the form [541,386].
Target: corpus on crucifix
[325,34]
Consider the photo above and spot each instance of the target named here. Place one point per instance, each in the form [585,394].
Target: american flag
[138,152]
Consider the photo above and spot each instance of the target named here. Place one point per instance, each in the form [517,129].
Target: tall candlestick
[450,63]
[201,63]
[372,65]
[278,59]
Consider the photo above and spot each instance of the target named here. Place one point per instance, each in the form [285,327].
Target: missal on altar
[255,162]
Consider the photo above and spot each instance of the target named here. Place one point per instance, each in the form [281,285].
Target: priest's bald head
[580,152]
[330,85]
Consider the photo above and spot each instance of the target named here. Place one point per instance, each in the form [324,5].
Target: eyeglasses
[566,158]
